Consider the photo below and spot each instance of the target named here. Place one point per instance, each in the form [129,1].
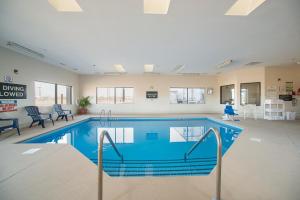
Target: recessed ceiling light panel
[244,7]
[65,5]
[120,68]
[178,69]
[224,64]
[148,68]
[156,6]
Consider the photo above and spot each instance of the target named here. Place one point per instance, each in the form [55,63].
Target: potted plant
[83,103]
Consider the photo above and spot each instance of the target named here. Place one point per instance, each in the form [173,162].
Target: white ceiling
[195,33]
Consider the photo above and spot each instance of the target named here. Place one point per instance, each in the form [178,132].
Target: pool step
[178,167]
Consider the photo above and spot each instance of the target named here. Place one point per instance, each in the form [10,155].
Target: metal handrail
[102,112]
[108,114]
[100,162]
[219,158]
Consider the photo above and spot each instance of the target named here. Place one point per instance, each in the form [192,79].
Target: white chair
[250,109]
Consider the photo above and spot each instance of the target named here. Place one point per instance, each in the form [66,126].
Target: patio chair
[14,124]
[62,113]
[37,117]
[229,112]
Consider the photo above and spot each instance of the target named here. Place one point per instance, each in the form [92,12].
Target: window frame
[71,93]
[55,92]
[222,93]
[259,86]
[115,97]
[187,95]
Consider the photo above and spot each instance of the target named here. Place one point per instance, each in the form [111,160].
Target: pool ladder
[218,166]
[103,114]
[219,158]
[104,133]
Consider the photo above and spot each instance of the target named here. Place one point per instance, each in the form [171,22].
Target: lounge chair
[37,117]
[229,112]
[62,113]
[14,124]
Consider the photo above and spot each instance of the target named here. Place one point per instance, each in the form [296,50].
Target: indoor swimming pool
[149,146]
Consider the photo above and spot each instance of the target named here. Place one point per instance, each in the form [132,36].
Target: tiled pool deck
[263,164]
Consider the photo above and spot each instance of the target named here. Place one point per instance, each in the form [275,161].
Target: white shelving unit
[274,109]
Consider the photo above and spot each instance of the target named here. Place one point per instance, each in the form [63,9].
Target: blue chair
[15,124]
[37,117]
[62,113]
[229,111]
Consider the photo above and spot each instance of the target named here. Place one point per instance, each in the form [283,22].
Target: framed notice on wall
[8,105]
[12,91]
[151,94]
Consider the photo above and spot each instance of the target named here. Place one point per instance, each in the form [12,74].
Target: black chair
[15,124]
[37,117]
[62,113]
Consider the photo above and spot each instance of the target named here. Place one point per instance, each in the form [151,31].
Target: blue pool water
[150,146]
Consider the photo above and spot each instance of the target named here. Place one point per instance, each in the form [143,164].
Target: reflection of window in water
[65,139]
[186,134]
[118,135]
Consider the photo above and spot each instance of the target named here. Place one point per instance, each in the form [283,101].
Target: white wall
[85,85]
[244,75]
[31,70]
[286,73]
[160,83]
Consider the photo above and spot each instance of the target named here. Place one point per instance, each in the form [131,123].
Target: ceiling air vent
[253,63]
[26,50]
[192,74]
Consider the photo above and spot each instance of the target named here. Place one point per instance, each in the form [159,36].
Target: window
[250,93]
[64,94]
[124,95]
[187,95]
[227,94]
[44,93]
[47,94]
[178,95]
[117,95]
[105,95]
[195,96]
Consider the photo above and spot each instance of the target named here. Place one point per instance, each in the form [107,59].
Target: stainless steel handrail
[102,112]
[219,158]
[108,114]
[100,162]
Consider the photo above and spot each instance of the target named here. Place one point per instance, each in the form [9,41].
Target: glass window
[64,94]
[187,95]
[178,95]
[124,95]
[105,95]
[196,96]
[250,93]
[227,94]
[44,93]
[128,95]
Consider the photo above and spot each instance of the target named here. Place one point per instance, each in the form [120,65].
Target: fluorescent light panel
[244,7]
[65,5]
[148,68]
[156,6]
[120,68]
[224,64]
[178,69]
[24,49]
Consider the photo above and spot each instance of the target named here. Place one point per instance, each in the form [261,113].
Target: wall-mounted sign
[8,79]
[151,94]
[8,105]
[12,91]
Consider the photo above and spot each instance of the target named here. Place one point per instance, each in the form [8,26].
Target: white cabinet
[274,109]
